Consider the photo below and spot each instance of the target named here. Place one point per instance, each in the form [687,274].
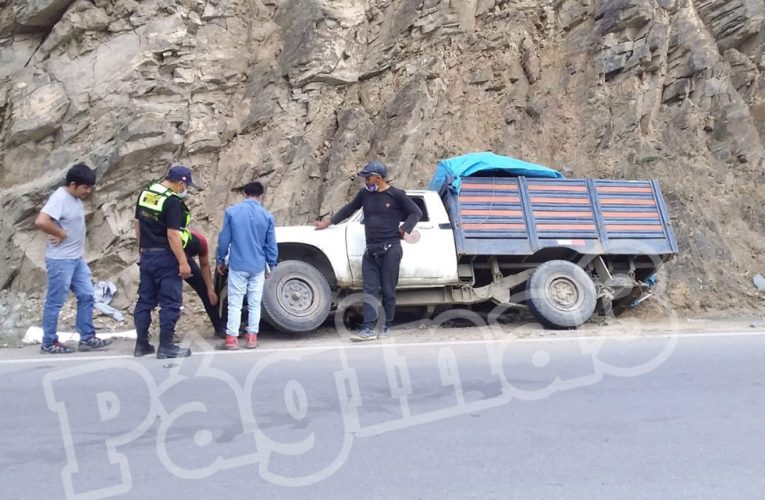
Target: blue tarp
[489,164]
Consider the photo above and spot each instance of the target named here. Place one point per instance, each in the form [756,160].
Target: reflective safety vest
[152,200]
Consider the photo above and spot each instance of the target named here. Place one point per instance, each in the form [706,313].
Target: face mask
[370,187]
[183,194]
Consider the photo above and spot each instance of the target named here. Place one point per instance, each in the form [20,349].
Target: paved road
[657,417]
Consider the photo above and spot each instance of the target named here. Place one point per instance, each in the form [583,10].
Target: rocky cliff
[300,93]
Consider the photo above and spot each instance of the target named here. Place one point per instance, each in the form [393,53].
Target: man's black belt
[154,249]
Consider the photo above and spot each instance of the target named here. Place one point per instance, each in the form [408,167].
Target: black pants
[197,283]
[160,285]
[380,271]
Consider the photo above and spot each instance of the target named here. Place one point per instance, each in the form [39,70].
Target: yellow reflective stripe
[151,201]
[153,198]
[185,237]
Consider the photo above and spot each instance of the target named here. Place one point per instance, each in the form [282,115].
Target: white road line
[62,358]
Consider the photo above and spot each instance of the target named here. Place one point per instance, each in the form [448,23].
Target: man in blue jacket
[249,240]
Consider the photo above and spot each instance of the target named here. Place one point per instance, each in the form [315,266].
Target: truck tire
[296,298]
[561,295]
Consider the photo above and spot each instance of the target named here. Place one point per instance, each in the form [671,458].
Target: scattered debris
[34,335]
[759,282]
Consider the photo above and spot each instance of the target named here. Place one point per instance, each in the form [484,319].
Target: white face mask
[183,194]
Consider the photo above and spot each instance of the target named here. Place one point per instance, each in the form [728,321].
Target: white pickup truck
[560,247]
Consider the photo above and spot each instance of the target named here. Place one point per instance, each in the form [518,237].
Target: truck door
[356,244]
[432,261]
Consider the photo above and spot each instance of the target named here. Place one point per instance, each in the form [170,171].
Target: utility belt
[154,249]
[377,250]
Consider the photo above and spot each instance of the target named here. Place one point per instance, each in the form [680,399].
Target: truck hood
[333,236]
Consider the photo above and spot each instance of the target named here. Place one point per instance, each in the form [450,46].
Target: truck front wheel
[561,294]
[296,298]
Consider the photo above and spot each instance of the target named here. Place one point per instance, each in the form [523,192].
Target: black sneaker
[93,343]
[56,348]
[173,351]
[142,350]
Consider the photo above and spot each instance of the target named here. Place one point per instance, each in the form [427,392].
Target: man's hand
[56,240]
[322,224]
[212,296]
[184,270]
[401,233]
[221,268]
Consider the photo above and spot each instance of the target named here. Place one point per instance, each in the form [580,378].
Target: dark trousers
[160,285]
[380,272]
[197,283]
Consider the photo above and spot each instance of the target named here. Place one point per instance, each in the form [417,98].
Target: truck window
[420,202]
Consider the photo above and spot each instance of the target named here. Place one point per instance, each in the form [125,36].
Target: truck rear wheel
[561,294]
[296,298]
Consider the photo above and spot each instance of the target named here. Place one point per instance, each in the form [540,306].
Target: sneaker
[364,334]
[232,343]
[252,340]
[93,343]
[173,351]
[385,333]
[56,348]
[142,350]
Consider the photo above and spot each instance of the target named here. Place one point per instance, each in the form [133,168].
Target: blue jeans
[160,285]
[65,275]
[239,284]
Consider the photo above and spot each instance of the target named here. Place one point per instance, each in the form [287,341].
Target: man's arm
[270,247]
[173,221]
[45,223]
[414,214]
[206,270]
[343,213]
[47,219]
[224,242]
[176,245]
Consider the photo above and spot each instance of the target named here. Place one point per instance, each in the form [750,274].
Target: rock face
[300,93]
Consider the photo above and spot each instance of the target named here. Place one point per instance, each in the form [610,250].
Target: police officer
[161,226]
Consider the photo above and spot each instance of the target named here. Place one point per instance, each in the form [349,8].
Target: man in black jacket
[384,208]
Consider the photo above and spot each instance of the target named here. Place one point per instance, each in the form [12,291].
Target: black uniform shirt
[154,228]
[383,212]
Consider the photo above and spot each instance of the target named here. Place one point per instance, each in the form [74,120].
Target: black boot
[173,351]
[142,349]
[142,345]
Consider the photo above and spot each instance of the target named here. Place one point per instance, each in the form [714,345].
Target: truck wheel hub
[563,293]
[297,296]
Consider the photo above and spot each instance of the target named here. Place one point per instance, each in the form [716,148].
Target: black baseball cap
[374,167]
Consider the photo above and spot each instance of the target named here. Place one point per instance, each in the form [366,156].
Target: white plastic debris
[34,335]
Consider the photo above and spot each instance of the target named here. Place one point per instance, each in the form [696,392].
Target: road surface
[674,416]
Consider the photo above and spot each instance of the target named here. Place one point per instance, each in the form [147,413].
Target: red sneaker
[232,343]
[252,340]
